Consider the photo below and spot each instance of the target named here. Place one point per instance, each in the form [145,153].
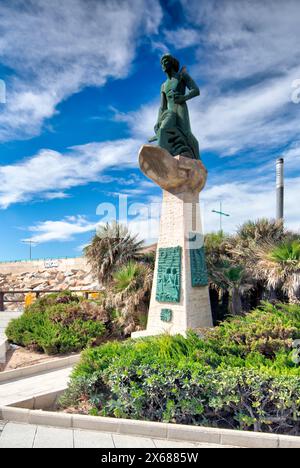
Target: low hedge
[228,379]
[58,324]
[233,398]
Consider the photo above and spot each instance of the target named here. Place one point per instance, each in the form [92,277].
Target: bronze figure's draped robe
[173,129]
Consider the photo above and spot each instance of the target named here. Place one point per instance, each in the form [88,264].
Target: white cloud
[249,200]
[56,48]
[49,173]
[245,38]
[183,37]
[258,117]
[249,53]
[62,230]
[243,200]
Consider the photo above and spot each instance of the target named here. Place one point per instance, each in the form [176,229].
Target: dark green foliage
[241,375]
[259,262]
[267,330]
[286,252]
[229,398]
[58,323]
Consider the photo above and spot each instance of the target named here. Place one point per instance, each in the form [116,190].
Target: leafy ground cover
[243,374]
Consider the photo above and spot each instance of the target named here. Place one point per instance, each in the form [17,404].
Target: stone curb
[150,429]
[39,368]
[42,401]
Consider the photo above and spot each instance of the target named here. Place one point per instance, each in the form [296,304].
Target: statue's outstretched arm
[193,88]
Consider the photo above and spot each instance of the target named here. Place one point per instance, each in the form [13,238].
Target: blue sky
[83,80]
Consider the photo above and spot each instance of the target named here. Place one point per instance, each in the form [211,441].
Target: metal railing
[3,300]
[43,259]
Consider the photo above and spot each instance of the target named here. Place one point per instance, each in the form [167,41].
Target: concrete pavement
[22,389]
[14,435]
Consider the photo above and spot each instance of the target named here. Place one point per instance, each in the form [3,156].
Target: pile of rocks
[48,280]
[45,280]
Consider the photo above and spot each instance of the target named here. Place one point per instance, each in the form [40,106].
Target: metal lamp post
[280,188]
[30,243]
[221,213]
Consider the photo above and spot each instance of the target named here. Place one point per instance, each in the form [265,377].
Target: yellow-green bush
[59,323]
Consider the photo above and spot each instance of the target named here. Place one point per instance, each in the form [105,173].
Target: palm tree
[243,248]
[279,266]
[233,278]
[262,230]
[214,243]
[129,293]
[215,252]
[111,247]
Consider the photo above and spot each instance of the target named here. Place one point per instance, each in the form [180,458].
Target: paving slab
[123,441]
[2,425]
[161,443]
[91,439]
[52,437]
[17,436]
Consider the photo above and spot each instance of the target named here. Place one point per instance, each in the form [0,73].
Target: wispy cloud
[62,230]
[49,174]
[246,54]
[248,38]
[57,48]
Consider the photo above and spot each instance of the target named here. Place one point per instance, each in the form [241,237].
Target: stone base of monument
[180,298]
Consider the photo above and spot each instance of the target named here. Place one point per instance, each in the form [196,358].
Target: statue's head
[168,63]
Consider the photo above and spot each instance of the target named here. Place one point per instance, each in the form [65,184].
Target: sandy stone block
[14,414]
[44,418]
[193,434]
[249,439]
[287,442]
[143,428]
[95,423]
[26,404]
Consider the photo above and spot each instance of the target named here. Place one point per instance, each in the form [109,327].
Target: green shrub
[267,330]
[232,398]
[186,392]
[241,375]
[58,323]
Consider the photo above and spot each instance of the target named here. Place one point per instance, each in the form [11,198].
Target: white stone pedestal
[180,226]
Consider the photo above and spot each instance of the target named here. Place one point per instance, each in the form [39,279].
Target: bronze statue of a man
[173,129]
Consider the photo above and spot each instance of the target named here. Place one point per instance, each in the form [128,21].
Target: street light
[31,244]
[221,213]
[280,188]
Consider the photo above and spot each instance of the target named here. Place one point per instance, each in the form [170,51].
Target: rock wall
[61,274]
